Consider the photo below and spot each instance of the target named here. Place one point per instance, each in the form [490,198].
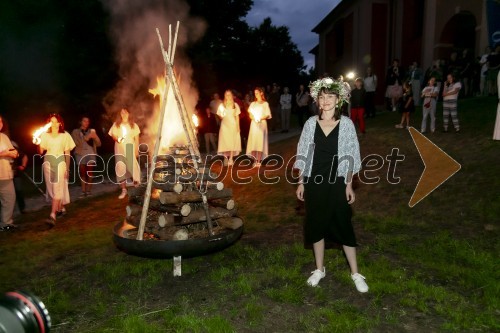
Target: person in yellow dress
[259,112]
[57,145]
[125,133]
[229,133]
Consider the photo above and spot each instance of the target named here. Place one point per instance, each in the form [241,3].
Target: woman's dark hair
[262,93]
[59,120]
[81,119]
[337,112]
[118,121]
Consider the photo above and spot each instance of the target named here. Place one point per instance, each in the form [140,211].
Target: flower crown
[337,87]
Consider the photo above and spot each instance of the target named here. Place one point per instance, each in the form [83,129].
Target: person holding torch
[229,133]
[328,157]
[57,145]
[259,111]
[125,133]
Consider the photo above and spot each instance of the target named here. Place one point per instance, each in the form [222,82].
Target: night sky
[298,15]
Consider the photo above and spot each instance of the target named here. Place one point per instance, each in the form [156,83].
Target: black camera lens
[23,312]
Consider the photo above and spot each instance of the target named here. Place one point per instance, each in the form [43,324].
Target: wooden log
[230,222]
[168,187]
[226,203]
[199,215]
[165,233]
[166,220]
[135,220]
[136,191]
[193,196]
[219,186]
[184,178]
[133,209]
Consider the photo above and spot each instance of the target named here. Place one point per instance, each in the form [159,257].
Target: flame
[256,114]
[159,90]
[196,121]
[124,133]
[39,132]
[172,131]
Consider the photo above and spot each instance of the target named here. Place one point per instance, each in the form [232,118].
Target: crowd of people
[56,146]
[331,112]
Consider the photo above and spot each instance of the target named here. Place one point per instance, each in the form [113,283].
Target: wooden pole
[193,144]
[147,194]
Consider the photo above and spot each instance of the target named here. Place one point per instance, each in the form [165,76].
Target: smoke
[138,54]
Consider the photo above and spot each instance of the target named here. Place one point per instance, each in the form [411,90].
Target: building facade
[358,34]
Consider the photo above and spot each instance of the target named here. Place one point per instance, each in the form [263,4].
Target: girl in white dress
[57,143]
[229,133]
[125,132]
[259,112]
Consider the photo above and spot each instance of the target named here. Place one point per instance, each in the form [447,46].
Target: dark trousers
[18,186]
[370,104]
[302,111]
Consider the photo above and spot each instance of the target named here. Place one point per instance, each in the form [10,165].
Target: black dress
[328,214]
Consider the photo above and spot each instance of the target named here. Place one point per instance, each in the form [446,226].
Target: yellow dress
[54,164]
[229,135]
[126,165]
[258,135]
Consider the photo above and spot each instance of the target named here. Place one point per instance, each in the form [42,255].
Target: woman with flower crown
[327,157]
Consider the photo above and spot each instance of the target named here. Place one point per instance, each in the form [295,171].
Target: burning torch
[256,115]
[124,134]
[36,136]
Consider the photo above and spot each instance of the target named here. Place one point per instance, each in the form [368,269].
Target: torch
[256,115]
[195,120]
[36,136]
[124,134]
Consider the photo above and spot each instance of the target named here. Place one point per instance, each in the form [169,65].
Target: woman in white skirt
[57,143]
[229,133]
[259,112]
[125,133]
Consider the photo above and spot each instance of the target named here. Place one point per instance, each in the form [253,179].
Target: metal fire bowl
[170,248]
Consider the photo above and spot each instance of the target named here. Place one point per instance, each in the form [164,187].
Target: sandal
[61,212]
[51,221]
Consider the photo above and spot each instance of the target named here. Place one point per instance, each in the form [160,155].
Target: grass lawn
[430,268]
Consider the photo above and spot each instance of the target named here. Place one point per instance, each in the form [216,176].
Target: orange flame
[160,87]
[172,131]
[124,134]
[256,114]
[196,121]
[39,132]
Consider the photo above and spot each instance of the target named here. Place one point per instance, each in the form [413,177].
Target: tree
[233,55]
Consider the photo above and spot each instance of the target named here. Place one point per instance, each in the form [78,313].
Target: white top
[5,162]
[286,101]
[454,86]
[370,83]
[56,145]
[430,90]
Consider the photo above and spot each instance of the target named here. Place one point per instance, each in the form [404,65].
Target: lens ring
[35,309]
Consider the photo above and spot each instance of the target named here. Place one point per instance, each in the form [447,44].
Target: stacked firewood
[176,209]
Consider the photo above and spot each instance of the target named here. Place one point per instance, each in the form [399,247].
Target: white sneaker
[359,281]
[123,194]
[316,276]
